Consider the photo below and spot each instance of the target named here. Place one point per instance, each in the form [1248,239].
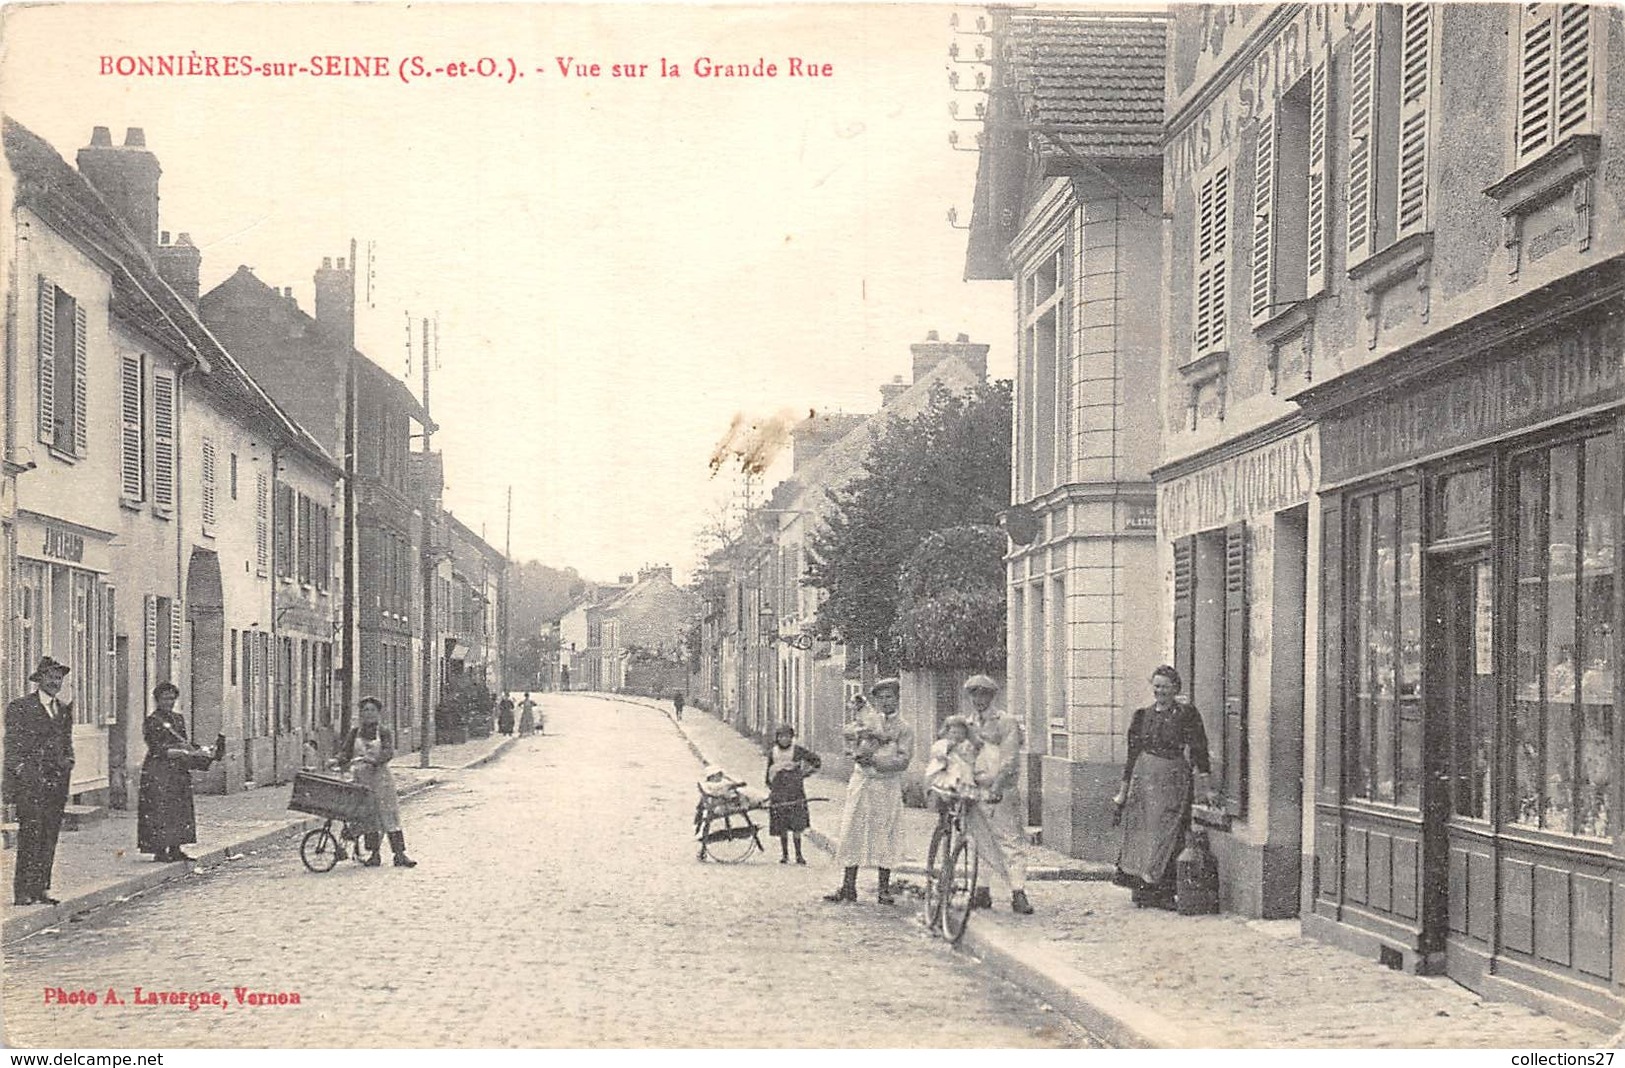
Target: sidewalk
[98,864]
[1146,978]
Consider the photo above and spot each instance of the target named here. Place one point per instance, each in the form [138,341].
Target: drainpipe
[180,525]
[276,648]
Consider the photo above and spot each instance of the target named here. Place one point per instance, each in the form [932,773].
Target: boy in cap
[997,822]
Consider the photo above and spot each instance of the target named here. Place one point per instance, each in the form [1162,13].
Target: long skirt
[165,816]
[788,798]
[386,813]
[1154,817]
[871,822]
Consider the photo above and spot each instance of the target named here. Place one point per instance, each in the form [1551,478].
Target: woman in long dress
[166,815]
[368,750]
[873,817]
[1166,740]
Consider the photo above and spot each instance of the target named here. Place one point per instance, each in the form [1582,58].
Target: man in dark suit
[38,765]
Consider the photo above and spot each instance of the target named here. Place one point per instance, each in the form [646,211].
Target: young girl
[787,765]
[951,767]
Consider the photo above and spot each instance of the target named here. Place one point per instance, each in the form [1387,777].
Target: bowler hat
[890,683]
[47,664]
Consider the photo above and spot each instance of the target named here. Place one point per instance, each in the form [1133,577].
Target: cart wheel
[958,888]
[941,840]
[731,839]
[319,850]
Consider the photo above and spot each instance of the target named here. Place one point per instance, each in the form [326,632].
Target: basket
[330,796]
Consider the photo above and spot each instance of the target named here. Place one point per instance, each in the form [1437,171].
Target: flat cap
[889,683]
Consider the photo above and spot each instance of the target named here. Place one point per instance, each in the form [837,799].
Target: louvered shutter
[1535,73]
[207,455]
[81,383]
[262,532]
[149,605]
[1573,91]
[1318,248]
[163,440]
[176,632]
[1362,143]
[131,482]
[1234,742]
[1264,216]
[1328,785]
[108,648]
[1212,237]
[1185,610]
[47,361]
[1415,100]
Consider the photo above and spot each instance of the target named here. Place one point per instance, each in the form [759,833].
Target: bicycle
[334,798]
[950,866]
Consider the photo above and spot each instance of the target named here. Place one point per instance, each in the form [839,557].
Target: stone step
[76,816]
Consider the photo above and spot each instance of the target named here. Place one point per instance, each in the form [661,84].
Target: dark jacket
[39,751]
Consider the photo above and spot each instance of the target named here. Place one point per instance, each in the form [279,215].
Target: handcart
[336,798]
[724,827]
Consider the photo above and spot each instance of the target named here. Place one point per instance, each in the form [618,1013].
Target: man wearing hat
[997,823]
[870,825]
[38,765]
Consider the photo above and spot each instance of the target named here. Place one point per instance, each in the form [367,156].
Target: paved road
[558,902]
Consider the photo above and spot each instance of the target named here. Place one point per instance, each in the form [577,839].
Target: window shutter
[47,361]
[1362,143]
[1185,610]
[1263,216]
[81,383]
[208,460]
[1212,235]
[109,648]
[1235,669]
[150,607]
[262,532]
[131,482]
[1317,249]
[1415,97]
[1573,90]
[1535,81]
[163,440]
[304,538]
[176,628]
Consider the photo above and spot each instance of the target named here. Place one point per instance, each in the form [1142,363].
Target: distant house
[643,631]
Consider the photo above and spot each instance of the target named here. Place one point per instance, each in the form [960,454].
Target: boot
[370,843]
[849,887]
[982,899]
[884,896]
[784,849]
[397,845]
[1019,903]
[799,858]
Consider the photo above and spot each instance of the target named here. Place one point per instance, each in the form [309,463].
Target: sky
[618,266]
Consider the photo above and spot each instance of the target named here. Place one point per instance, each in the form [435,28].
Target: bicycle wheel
[319,850]
[935,857]
[958,888]
[732,838]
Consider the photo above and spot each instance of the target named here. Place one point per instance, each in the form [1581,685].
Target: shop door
[1459,919]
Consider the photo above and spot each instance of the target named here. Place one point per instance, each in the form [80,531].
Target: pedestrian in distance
[505,715]
[38,766]
[677,705]
[1166,740]
[527,716]
[882,746]
[997,821]
[166,815]
[788,766]
[367,751]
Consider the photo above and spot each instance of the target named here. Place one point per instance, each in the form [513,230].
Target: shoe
[982,899]
[372,861]
[340,854]
[801,860]
[784,860]
[404,861]
[178,855]
[885,898]
[843,894]
[46,899]
[1019,903]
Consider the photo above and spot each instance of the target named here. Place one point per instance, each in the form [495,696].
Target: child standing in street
[788,765]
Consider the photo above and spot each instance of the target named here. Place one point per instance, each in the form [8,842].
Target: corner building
[1392,410]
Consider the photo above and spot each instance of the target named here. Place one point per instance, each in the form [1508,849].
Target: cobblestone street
[557,902]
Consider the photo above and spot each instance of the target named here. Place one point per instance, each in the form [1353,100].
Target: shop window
[1383,719]
[1391,62]
[1555,91]
[1568,501]
[64,421]
[1210,648]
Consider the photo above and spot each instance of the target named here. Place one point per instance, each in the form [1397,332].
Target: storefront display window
[67,613]
[1568,499]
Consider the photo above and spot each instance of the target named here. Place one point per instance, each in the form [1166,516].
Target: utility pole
[430,505]
[503,589]
[352,655]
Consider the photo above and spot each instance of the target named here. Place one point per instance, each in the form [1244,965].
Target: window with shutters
[283,531]
[164,422]
[132,430]
[1289,198]
[1392,61]
[1211,278]
[1555,77]
[1211,650]
[63,372]
[206,487]
[262,523]
[234,476]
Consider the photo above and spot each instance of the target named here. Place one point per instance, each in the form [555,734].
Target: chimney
[127,178]
[655,572]
[626,580]
[335,299]
[931,352]
[178,264]
[892,390]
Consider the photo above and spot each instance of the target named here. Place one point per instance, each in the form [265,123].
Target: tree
[950,611]
[946,467]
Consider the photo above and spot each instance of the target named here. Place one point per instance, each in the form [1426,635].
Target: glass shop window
[1568,500]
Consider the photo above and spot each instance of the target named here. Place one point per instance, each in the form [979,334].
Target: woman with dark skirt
[1166,740]
[166,818]
[787,765]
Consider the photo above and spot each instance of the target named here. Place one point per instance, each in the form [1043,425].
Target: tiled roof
[60,195]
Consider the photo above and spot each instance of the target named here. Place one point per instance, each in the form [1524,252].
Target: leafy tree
[946,467]
[950,613]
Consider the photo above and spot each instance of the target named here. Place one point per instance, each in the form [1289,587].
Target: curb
[16,928]
[1105,1013]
